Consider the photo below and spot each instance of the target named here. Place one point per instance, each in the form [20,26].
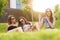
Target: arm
[51,24]
[41,23]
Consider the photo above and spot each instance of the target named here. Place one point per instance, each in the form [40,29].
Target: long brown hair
[10,18]
[51,17]
[20,23]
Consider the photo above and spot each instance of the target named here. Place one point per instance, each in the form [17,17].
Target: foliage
[25,6]
[3,4]
[57,12]
[29,11]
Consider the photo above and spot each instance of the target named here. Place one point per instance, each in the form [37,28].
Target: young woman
[48,19]
[11,23]
[38,24]
[24,24]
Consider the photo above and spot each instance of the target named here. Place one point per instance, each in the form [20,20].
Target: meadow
[43,34]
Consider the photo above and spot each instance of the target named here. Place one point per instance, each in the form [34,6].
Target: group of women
[23,25]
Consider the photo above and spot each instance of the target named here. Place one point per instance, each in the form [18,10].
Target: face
[13,20]
[48,12]
[22,21]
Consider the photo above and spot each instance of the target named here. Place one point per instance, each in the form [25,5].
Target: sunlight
[41,5]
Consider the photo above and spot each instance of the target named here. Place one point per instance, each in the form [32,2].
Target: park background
[24,8]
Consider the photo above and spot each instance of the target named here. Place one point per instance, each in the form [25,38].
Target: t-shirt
[26,27]
[46,23]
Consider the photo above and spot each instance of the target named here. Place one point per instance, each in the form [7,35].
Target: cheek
[49,14]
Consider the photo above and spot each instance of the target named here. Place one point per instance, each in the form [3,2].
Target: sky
[41,5]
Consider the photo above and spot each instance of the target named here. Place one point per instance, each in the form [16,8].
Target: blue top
[46,23]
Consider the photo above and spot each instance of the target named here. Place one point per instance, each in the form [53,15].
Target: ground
[43,34]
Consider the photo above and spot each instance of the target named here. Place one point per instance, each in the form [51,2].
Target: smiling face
[13,20]
[22,21]
[48,12]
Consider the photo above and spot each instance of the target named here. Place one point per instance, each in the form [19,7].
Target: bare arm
[41,23]
[51,24]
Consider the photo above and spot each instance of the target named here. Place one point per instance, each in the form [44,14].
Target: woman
[38,24]
[48,19]
[11,23]
[24,24]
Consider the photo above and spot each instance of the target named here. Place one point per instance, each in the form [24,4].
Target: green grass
[3,26]
[57,24]
[43,34]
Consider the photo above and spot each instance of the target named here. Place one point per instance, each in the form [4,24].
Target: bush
[3,4]
[42,35]
[57,24]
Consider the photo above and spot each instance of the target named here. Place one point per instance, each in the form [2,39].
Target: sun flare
[41,5]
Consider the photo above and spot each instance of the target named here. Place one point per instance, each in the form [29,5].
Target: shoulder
[43,18]
[7,25]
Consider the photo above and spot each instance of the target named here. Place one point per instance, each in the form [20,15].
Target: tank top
[11,27]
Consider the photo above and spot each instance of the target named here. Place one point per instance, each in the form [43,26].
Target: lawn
[43,34]
[3,26]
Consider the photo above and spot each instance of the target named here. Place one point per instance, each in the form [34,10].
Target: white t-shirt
[26,27]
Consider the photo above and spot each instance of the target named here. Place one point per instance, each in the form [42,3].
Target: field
[43,34]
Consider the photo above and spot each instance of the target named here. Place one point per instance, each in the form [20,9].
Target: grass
[3,26]
[43,34]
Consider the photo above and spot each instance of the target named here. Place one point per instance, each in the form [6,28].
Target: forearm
[51,24]
[41,23]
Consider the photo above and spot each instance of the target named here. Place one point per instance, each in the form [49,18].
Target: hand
[47,18]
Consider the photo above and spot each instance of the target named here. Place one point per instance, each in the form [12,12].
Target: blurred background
[30,9]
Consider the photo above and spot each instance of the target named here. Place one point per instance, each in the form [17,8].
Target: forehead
[21,19]
[12,17]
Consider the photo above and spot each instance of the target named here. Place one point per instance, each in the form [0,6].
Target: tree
[57,12]
[27,10]
[3,4]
